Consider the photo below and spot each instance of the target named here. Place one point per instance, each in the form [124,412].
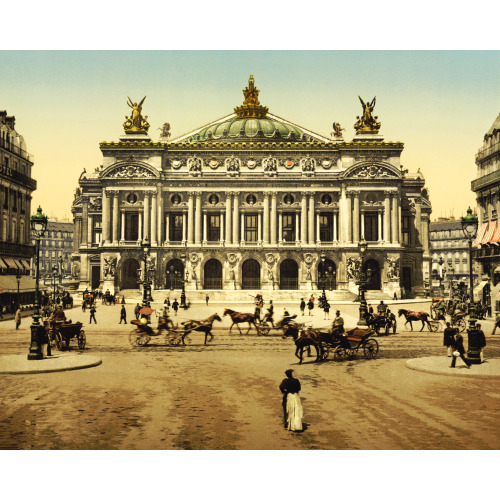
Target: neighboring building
[16,186]
[251,201]
[56,247]
[450,255]
[487,189]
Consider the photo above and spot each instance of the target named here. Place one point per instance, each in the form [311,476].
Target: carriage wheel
[462,325]
[174,339]
[59,341]
[264,330]
[339,354]
[434,326]
[82,340]
[143,339]
[370,349]
[134,339]
[326,352]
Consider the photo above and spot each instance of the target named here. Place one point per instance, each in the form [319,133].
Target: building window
[251,199]
[213,226]
[371,226]
[288,227]
[213,200]
[326,227]
[175,228]
[405,229]
[131,226]
[288,199]
[251,222]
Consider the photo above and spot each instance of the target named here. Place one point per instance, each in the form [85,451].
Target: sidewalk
[20,364]
[440,365]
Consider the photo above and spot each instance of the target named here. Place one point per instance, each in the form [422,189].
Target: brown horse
[415,316]
[238,317]
[200,326]
[304,339]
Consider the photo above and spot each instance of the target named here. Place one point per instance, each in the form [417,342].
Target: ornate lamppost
[183,281]
[469,227]
[362,282]
[18,278]
[146,281]
[322,276]
[441,276]
[38,227]
[54,277]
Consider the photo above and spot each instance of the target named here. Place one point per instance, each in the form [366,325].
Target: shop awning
[22,264]
[478,290]
[11,263]
[480,234]
[3,265]
[488,236]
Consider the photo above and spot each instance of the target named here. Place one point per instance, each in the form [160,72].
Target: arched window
[174,274]
[212,275]
[289,275]
[250,275]
[130,274]
[371,269]
[327,275]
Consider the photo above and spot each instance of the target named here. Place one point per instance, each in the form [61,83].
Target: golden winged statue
[136,123]
[368,123]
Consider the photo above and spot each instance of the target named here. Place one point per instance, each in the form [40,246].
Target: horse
[304,339]
[415,316]
[200,326]
[238,317]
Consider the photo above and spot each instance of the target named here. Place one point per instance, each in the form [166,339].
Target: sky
[438,103]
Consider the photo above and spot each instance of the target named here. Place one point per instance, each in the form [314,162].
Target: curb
[440,365]
[18,364]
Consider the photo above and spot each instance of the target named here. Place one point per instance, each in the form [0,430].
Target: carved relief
[353,267]
[195,165]
[251,163]
[233,166]
[270,166]
[176,164]
[214,163]
[131,171]
[373,172]
[308,166]
[392,269]
[109,267]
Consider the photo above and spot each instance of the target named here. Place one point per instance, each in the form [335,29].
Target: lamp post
[322,276]
[441,262]
[38,227]
[54,277]
[362,282]
[183,281]
[18,278]
[60,262]
[146,282]
[469,227]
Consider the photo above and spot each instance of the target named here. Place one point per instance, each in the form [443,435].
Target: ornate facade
[250,202]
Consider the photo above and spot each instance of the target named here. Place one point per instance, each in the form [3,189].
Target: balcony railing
[16,150]
[483,153]
[485,180]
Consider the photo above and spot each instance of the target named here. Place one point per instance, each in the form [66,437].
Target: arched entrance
[250,275]
[130,275]
[174,274]
[373,278]
[212,279]
[289,275]
[327,275]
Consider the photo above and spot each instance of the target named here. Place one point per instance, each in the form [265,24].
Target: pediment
[130,170]
[372,170]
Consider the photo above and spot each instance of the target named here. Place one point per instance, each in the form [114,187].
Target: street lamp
[183,281]
[146,282]
[441,262]
[322,276]
[469,227]
[54,277]
[38,227]
[18,278]
[60,261]
[362,282]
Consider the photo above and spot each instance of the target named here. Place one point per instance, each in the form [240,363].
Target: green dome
[254,129]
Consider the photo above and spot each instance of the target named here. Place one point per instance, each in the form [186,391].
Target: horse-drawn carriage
[264,327]
[61,333]
[382,322]
[67,301]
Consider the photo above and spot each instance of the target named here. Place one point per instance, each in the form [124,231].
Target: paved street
[225,395]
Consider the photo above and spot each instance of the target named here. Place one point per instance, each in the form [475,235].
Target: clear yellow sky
[439,104]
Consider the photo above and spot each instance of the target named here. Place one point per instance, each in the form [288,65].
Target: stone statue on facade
[368,123]
[165,131]
[109,267]
[353,267]
[392,269]
[136,123]
[337,130]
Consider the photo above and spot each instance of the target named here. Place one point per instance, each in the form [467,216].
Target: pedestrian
[137,308]
[326,308]
[302,306]
[395,296]
[123,315]
[207,298]
[481,341]
[497,323]
[258,305]
[458,345]
[338,324]
[92,314]
[18,318]
[370,309]
[448,338]
[310,305]
[269,316]
[175,306]
[292,406]
[123,299]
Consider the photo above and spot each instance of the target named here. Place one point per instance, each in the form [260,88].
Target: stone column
[418,221]
[90,229]
[259,227]
[105,217]
[184,226]
[317,229]
[347,217]
[190,219]
[228,219]
[197,215]
[84,267]
[280,226]
[394,219]
[116,214]
[122,227]
[140,227]
[297,234]
[204,228]
[310,222]
[387,216]
[147,194]
[342,222]
[363,225]
[221,229]
[265,236]
[85,216]
[159,217]
[303,219]
[167,227]
[236,219]
[274,215]
[425,238]
[335,229]
[154,223]
[355,216]
[379,233]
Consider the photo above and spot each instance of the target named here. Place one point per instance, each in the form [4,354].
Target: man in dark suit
[458,345]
